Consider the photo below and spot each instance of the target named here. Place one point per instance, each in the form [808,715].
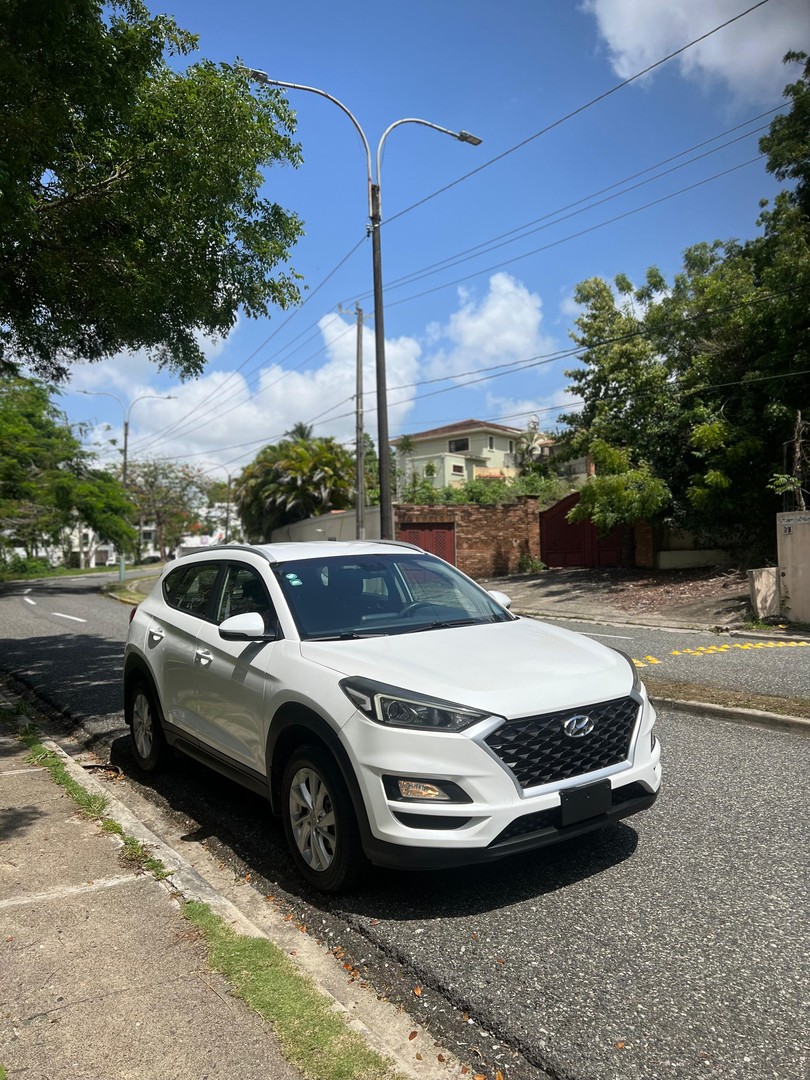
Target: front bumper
[499,818]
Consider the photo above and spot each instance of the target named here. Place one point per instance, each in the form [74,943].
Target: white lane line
[614,637]
[73,618]
[28,600]
[28,590]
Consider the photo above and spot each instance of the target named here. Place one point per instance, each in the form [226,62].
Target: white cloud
[502,328]
[746,56]
[220,420]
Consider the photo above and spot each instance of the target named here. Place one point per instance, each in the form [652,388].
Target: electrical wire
[574,112]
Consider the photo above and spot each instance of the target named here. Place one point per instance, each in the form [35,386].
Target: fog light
[416,789]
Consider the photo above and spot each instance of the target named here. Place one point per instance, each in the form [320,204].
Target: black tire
[149,747]
[319,821]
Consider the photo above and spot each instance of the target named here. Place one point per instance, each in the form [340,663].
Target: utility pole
[360,483]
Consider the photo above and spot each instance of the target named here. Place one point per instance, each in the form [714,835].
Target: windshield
[370,595]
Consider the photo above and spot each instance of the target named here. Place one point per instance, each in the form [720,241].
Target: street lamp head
[254,73]
[465,136]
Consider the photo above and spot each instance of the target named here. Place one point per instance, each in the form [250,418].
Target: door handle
[204,657]
[156,633]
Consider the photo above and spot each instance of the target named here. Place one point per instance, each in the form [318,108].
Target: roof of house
[461,427]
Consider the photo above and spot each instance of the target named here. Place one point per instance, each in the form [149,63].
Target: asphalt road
[762,666]
[670,946]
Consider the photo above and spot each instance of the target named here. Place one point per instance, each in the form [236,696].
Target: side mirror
[246,627]
[500,598]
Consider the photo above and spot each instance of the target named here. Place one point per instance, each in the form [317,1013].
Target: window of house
[491,442]
[458,470]
[458,446]
[511,446]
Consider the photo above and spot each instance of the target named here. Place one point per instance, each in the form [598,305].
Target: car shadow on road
[240,826]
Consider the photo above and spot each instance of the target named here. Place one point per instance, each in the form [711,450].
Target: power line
[575,112]
[577,235]
[181,421]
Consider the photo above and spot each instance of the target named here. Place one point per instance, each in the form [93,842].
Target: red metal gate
[438,539]
[565,544]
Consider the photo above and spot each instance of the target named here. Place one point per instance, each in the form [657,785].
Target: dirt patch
[732,699]
[639,591]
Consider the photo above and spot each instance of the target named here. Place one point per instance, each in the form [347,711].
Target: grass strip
[133,852]
[312,1035]
[732,699]
[92,806]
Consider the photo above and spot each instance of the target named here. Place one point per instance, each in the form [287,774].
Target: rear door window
[190,588]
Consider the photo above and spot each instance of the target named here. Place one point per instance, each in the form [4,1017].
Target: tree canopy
[48,483]
[693,390]
[131,214]
[292,480]
[168,496]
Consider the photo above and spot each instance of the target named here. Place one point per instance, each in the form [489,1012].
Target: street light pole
[125,412]
[375,219]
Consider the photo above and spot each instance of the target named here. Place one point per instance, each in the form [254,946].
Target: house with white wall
[455,453]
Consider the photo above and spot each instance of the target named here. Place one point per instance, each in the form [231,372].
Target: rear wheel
[150,749]
[319,821]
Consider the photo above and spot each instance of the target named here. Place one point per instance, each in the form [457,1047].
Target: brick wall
[489,540]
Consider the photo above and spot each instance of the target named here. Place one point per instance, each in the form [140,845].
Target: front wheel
[319,821]
[148,741]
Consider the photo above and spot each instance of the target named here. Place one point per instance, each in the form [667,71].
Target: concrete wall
[337,526]
[793,556]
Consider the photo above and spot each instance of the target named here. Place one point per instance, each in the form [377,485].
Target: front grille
[537,750]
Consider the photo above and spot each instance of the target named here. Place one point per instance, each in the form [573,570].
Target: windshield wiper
[442,624]
[349,635]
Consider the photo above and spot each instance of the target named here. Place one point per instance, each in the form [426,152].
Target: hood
[511,669]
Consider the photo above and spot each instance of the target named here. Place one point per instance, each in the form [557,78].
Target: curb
[621,619]
[725,712]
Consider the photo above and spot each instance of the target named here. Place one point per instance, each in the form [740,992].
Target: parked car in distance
[392,710]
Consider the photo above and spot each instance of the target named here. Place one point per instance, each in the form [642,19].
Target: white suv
[390,708]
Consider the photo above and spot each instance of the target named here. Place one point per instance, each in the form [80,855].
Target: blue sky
[504,72]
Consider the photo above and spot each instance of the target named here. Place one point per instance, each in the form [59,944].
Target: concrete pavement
[101,977]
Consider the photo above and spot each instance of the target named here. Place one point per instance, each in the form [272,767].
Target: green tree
[693,390]
[48,484]
[292,480]
[131,215]
[169,497]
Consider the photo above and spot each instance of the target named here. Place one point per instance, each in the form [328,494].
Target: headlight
[401,708]
[633,668]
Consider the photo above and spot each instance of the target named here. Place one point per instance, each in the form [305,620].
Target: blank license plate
[579,804]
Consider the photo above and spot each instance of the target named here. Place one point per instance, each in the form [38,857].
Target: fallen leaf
[474,936]
[498,1075]
[269,897]
[465,1069]
[288,918]
[412,1035]
[293,952]
[440,1057]
[374,922]
[418,991]
[418,1057]
[498,960]
[248,877]
[479,1076]
[619,1045]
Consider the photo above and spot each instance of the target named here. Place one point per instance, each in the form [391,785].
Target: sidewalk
[101,977]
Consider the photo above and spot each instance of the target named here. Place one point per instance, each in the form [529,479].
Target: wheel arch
[137,670]
[296,725]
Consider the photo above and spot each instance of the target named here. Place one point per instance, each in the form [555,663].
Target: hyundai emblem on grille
[577,726]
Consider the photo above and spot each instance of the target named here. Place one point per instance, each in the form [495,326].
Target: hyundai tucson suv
[392,710]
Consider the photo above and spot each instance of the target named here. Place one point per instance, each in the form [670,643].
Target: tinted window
[368,595]
[188,588]
[243,591]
